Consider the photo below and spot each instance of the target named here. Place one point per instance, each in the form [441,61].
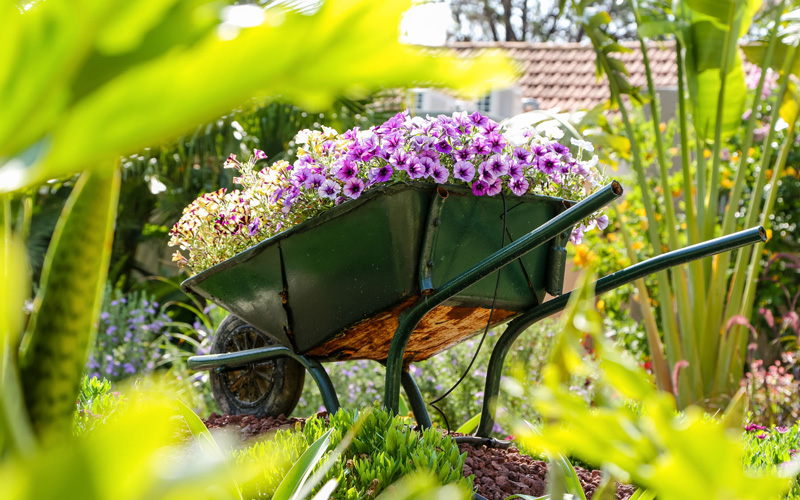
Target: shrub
[96,403]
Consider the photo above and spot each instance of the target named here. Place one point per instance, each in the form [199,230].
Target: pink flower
[260,155]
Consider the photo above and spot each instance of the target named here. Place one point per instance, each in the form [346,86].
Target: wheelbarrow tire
[266,389]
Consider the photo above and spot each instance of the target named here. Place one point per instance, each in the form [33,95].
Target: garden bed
[499,472]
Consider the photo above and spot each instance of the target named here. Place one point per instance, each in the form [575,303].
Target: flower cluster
[126,342]
[465,149]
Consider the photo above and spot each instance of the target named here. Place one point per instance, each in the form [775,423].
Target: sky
[426,24]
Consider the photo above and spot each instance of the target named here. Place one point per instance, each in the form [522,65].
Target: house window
[485,103]
[418,101]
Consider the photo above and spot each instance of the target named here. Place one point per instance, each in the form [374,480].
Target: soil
[499,471]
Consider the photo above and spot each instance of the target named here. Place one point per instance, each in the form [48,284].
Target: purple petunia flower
[252,228]
[516,169]
[443,146]
[439,173]
[522,154]
[464,171]
[353,187]
[415,169]
[559,148]
[497,165]
[496,142]
[480,146]
[495,187]
[518,186]
[479,188]
[380,174]
[427,163]
[479,120]
[485,172]
[329,189]
[602,222]
[347,171]
[400,159]
[314,181]
[462,154]
[548,163]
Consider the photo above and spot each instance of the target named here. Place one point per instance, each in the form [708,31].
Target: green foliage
[383,450]
[102,84]
[773,450]
[96,404]
[675,456]
[55,347]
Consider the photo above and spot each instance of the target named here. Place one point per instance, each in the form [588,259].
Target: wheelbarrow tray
[334,286]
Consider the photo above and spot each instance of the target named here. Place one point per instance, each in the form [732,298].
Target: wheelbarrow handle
[413,315]
[602,285]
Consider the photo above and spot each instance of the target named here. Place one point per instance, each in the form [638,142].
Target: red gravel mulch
[499,472]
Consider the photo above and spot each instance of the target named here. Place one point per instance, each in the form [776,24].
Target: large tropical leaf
[88,80]
[56,344]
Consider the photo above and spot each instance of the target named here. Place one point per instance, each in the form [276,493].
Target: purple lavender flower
[464,171]
[518,186]
[104,315]
[479,188]
[129,368]
[111,329]
[353,187]
[329,189]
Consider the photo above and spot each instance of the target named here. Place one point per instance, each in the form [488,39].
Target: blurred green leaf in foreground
[84,81]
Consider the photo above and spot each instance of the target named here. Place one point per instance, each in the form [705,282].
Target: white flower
[302,137]
[583,145]
[591,163]
[552,131]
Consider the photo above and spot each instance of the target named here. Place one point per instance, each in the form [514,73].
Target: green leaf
[55,347]
[720,9]
[755,52]
[199,430]
[297,475]
[88,97]
[709,85]
[652,29]
[470,425]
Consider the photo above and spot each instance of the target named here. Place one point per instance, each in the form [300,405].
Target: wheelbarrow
[397,276]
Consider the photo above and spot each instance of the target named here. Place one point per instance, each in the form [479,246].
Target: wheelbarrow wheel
[266,389]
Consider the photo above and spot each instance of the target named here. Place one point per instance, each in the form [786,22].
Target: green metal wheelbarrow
[397,276]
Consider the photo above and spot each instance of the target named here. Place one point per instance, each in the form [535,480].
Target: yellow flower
[638,245]
[623,206]
[751,151]
[673,151]
[706,153]
[727,183]
[662,127]
[601,305]
[611,237]
[583,256]
[769,234]
[677,192]
[641,212]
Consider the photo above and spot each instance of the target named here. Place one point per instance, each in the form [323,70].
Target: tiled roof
[563,77]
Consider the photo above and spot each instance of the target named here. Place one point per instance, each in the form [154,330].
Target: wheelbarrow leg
[416,400]
[605,284]
[413,315]
[241,358]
